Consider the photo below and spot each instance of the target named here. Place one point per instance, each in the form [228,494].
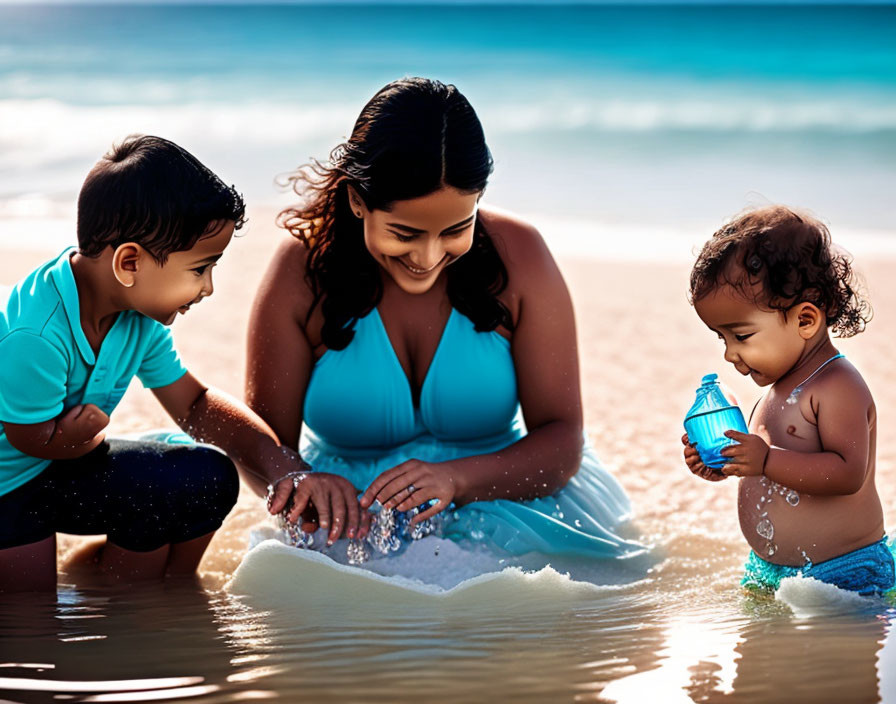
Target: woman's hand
[410,484]
[695,464]
[747,458]
[333,498]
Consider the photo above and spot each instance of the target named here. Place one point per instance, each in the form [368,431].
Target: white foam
[272,575]
[716,113]
[39,131]
[808,597]
[35,132]
[621,241]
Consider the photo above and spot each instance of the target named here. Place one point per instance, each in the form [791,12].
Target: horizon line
[446,3]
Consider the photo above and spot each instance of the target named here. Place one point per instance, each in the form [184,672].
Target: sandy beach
[642,351]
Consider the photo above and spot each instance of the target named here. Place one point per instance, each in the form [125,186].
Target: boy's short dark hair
[789,255]
[150,191]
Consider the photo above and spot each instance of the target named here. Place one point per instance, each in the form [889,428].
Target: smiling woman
[414,255]
[408,329]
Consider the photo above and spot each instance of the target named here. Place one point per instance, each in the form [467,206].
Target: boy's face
[162,291]
[766,344]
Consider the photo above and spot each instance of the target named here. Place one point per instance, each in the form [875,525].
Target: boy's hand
[82,427]
[334,499]
[695,464]
[747,458]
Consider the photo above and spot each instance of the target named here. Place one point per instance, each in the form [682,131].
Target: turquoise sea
[652,119]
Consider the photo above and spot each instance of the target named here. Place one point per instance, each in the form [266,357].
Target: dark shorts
[141,494]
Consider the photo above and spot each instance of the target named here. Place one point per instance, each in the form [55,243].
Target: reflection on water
[696,658]
[659,637]
[764,657]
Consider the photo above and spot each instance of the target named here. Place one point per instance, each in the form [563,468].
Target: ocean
[620,130]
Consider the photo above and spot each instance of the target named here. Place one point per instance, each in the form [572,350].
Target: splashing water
[765,529]
[390,532]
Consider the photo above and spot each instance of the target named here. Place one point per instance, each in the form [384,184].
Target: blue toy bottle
[708,419]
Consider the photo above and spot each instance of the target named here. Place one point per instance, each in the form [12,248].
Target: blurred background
[622,130]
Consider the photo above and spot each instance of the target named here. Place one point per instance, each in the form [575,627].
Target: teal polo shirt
[47,366]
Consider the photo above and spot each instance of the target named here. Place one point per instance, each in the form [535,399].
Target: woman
[406,327]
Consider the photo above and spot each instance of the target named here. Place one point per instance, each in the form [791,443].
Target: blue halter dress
[360,420]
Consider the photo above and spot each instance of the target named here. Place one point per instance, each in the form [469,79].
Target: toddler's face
[184,279]
[765,344]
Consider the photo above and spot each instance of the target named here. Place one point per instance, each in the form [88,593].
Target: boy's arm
[34,375]
[209,415]
[845,412]
[75,433]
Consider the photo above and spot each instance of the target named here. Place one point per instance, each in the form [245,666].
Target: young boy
[770,285]
[152,223]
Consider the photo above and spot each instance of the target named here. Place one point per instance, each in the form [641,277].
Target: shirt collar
[64,280]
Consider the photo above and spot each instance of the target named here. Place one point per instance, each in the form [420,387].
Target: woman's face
[416,239]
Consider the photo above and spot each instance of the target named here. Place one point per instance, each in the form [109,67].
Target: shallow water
[674,627]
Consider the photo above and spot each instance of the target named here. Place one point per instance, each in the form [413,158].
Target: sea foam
[272,576]
[808,597]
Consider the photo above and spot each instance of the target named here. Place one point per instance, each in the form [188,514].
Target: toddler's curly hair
[789,255]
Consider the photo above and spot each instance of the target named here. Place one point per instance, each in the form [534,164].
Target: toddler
[770,286]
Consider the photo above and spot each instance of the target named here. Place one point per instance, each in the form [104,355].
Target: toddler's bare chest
[789,425]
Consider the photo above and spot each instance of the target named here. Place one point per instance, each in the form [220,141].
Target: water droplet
[765,529]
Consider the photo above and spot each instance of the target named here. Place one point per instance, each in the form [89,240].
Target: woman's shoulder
[521,247]
[285,281]
[513,235]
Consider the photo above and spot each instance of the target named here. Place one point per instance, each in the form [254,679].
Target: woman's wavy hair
[790,257]
[414,136]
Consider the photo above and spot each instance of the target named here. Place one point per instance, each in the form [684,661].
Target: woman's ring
[411,488]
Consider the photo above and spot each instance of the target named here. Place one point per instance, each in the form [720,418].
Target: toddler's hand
[747,458]
[695,464]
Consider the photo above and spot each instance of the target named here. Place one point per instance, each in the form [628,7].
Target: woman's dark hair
[790,257]
[413,137]
[150,191]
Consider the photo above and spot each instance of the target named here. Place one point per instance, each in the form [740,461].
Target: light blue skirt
[579,520]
